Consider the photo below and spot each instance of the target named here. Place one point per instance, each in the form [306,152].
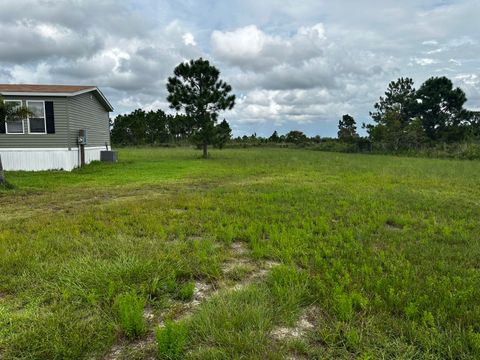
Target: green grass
[130,314]
[171,341]
[233,326]
[385,248]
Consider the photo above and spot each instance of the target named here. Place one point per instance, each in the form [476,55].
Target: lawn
[253,254]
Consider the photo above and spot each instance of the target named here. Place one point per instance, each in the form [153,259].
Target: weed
[353,338]
[185,292]
[171,340]
[343,304]
[130,314]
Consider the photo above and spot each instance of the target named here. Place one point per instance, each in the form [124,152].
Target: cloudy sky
[293,64]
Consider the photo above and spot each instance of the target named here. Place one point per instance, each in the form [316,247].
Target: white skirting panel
[46,159]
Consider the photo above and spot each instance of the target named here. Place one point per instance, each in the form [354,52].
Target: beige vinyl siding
[26,140]
[86,112]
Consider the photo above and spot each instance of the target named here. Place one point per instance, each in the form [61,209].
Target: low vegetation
[130,314]
[254,253]
[171,341]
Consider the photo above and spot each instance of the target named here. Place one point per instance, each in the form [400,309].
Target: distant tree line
[158,128]
[292,138]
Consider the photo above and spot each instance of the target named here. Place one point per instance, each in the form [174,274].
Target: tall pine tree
[196,89]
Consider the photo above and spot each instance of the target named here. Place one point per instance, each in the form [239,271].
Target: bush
[130,313]
[171,341]
[346,303]
[343,304]
[185,292]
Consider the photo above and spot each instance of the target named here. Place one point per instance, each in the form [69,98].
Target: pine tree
[196,89]
[347,128]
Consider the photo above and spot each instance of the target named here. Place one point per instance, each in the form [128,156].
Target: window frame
[44,119]
[22,121]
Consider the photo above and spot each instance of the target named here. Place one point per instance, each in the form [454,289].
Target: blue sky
[292,64]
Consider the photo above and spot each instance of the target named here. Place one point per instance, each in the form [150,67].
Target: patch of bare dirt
[238,248]
[200,293]
[115,353]
[232,265]
[148,314]
[304,324]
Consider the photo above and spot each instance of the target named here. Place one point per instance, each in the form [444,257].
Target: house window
[14,126]
[36,120]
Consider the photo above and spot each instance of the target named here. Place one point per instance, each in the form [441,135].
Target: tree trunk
[2,175]
[205,150]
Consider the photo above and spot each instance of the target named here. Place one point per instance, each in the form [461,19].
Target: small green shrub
[359,301]
[411,310]
[428,319]
[185,292]
[346,303]
[343,304]
[353,338]
[171,341]
[129,307]
[161,286]
[365,356]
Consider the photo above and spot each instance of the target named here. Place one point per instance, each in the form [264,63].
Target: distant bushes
[461,150]
[469,151]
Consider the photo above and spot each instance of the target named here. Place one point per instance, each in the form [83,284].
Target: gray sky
[292,64]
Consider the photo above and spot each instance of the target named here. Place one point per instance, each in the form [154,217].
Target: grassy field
[253,254]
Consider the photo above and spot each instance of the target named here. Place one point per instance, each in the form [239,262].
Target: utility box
[82,137]
[108,156]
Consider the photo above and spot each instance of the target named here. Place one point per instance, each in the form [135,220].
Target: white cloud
[241,44]
[250,48]
[189,39]
[424,61]
[316,31]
